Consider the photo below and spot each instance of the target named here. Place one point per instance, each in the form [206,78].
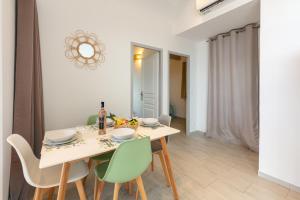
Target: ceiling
[238,17]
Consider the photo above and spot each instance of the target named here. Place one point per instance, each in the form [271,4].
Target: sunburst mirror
[84,49]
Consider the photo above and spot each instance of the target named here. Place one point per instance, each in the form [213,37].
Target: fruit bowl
[125,123]
[127,126]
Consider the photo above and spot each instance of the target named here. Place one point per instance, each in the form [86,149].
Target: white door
[149,83]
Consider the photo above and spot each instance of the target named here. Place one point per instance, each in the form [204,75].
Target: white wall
[1,100]
[70,93]
[175,88]
[7,19]
[279,90]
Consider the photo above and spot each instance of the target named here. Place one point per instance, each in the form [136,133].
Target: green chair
[101,158]
[92,120]
[128,163]
[104,157]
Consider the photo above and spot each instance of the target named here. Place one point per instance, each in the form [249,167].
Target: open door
[149,93]
[178,91]
[145,82]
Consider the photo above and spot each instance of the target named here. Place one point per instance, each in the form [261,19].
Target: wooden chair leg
[137,194]
[96,188]
[38,194]
[80,189]
[116,191]
[130,187]
[90,163]
[63,181]
[127,186]
[99,190]
[164,166]
[152,164]
[50,193]
[140,184]
[97,162]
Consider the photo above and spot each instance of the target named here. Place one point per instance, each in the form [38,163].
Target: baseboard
[196,132]
[278,181]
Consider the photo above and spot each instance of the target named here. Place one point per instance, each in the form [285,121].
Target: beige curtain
[28,97]
[233,106]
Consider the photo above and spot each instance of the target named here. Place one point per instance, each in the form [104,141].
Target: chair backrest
[129,161]
[92,120]
[28,160]
[165,120]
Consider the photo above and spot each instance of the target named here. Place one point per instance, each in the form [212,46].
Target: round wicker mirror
[84,49]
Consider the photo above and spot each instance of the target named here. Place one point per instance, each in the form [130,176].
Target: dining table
[90,143]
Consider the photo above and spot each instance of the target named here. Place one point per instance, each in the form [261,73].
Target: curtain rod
[238,30]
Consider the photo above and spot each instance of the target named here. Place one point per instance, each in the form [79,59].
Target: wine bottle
[102,120]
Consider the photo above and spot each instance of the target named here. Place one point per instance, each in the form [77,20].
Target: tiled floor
[204,169]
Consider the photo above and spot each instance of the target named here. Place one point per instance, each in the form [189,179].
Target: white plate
[149,121]
[120,141]
[49,143]
[122,133]
[60,135]
[151,125]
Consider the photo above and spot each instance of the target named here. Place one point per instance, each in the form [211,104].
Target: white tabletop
[89,144]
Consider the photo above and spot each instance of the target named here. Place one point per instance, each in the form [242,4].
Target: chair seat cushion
[156,146]
[101,169]
[50,177]
[104,157]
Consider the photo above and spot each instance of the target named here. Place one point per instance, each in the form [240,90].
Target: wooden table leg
[90,163]
[169,167]
[164,166]
[63,181]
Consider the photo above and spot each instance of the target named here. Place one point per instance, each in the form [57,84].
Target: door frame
[188,75]
[160,51]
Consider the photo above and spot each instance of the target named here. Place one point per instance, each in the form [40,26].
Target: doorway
[178,91]
[146,64]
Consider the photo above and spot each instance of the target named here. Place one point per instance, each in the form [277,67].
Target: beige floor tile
[217,167]
[261,193]
[273,187]
[292,195]
[228,192]
[237,179]
[210,194]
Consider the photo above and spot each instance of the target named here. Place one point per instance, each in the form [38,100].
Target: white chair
[157,147]
[45,180]
[165,120]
